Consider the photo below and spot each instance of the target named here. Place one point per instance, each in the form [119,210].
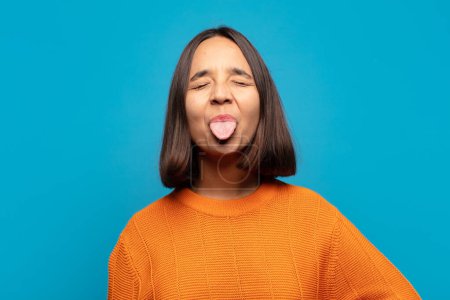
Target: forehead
[217,52]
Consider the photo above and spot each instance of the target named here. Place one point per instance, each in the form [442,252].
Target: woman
[230,229]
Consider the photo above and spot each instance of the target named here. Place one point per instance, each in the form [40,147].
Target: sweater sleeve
[123,282]
[361,271]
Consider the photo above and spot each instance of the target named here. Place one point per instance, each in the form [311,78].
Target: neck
[220,178]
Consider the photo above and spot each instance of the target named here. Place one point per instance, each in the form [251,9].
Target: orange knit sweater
[281,242]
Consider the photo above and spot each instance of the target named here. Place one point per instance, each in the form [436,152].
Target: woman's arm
[359,270]
[123,282]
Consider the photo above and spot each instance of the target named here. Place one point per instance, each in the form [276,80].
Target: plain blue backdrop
[83,90]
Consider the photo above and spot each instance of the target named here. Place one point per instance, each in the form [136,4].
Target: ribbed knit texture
[281,242]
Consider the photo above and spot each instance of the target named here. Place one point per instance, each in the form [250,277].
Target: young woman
[230,229]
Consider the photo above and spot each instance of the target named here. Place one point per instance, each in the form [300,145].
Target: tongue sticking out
[223,130]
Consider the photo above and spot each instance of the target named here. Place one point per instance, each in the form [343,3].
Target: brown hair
[270,152]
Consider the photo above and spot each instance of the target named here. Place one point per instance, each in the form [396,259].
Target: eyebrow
[234,71]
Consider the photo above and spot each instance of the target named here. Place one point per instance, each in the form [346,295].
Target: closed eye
[198,87]
[241,83]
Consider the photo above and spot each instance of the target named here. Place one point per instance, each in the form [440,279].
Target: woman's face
[221,82]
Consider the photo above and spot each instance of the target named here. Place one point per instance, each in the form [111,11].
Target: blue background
[83,89]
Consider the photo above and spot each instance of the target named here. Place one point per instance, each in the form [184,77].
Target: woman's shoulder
[150,216]
[308,198]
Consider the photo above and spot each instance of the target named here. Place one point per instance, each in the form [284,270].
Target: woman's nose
[220,93]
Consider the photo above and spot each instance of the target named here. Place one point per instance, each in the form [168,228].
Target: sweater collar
[266,191]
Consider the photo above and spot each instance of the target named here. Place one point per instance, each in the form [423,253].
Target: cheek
[195,115]
[250,112]
[193,108]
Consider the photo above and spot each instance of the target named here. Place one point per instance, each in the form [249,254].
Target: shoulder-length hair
[270,152]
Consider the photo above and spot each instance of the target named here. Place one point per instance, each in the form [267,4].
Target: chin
[218,148]
[214,147]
